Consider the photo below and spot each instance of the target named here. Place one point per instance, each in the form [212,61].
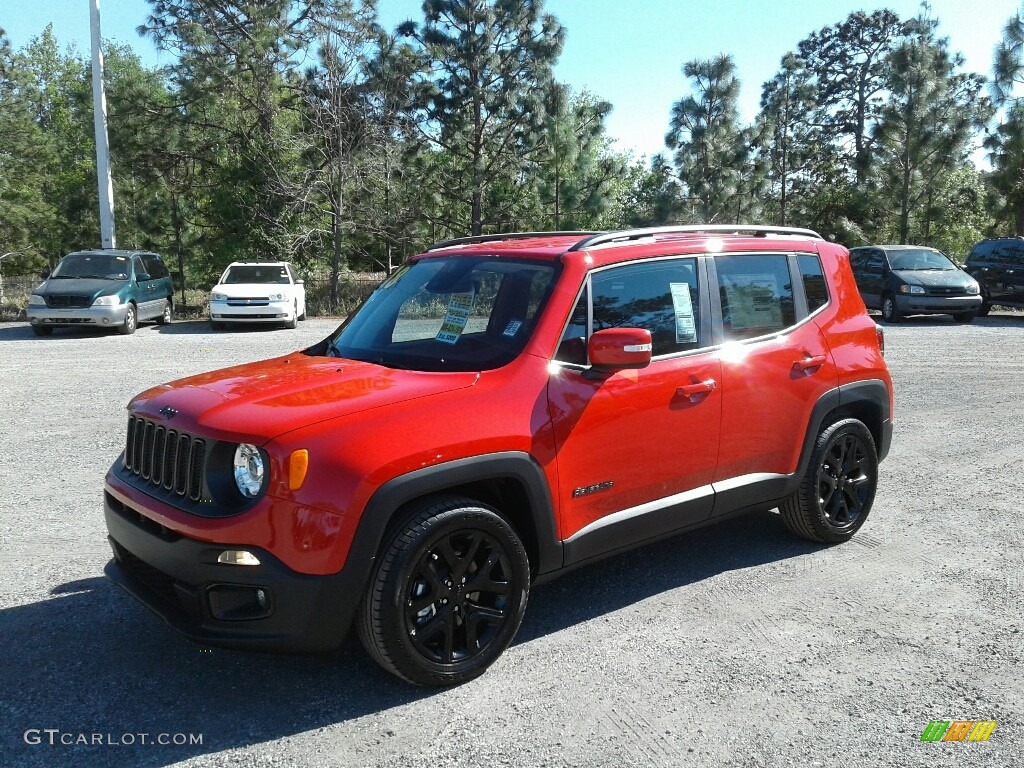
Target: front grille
[946,291]
[256,301]
[251,317]
[165,458]
[69,302]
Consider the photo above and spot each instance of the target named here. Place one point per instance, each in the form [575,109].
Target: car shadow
[203,327]
[90,659]
[21,330]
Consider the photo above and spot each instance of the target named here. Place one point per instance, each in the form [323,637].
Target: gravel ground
[737,645]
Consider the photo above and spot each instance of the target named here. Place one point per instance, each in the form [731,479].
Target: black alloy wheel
[838,488]
[448,595]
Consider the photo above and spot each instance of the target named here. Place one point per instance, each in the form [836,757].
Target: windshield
[447,314]
[105,266]
[920,259]
[256,274]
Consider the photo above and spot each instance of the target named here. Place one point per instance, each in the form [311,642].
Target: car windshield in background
[97,265]
[447,314]
[254,274]
[921,259]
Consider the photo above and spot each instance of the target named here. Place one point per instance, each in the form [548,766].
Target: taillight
[880,333]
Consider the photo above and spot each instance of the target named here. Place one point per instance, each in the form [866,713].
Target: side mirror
[300,281]
[614,349]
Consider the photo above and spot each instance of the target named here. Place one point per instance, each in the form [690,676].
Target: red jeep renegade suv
[500,409]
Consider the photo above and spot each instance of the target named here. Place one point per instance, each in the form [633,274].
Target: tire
[890,312]
[303,315]
[42,330]
[838,486]
[421,618]
[292,324]
[964,317]
[167,316]
[984,309]
[131,321]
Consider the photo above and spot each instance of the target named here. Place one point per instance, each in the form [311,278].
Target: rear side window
[756,294]
[1009,252]
[815,287]
[154,266]
[661,296]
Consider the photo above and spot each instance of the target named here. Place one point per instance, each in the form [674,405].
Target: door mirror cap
[615,349]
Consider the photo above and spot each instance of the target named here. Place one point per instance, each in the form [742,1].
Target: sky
[628,53]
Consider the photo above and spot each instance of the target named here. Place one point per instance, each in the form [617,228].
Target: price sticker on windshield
[460,305]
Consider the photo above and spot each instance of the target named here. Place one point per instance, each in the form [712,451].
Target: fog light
[237,557]
[237,602]
[106,321]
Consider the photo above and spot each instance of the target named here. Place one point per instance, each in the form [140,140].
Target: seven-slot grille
[66,302]
[165,458]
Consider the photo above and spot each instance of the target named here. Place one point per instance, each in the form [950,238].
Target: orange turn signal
[298,463]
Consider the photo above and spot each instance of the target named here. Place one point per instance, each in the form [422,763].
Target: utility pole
[99,109]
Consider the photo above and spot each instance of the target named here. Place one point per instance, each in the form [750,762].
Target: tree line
[304,130]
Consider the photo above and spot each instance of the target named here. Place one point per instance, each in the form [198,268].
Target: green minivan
[105,289]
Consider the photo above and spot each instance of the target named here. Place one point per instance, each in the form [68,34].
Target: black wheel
[131,321]
[890,312]
[447,595]
[42,330]
[964,317]
[838,487]
[984,309]
[165,318]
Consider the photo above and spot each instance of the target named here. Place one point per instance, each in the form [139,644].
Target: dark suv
[913,280]
[501,409]
[998,265]
[103,289]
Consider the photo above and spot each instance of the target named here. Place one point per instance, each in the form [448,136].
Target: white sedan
[258,292]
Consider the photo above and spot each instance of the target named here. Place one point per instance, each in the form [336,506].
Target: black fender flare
[517,466]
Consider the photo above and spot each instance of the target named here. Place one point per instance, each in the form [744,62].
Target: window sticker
[456,317]
[754,301]
[512,328]
[686,328]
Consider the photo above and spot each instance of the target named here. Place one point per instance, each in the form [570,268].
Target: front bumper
[273,312]
[180,580]
[909,304]
[102,316]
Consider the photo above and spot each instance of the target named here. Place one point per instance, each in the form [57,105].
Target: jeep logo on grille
[168,412]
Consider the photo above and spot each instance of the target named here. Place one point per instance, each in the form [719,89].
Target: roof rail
[506,236]
[758,230]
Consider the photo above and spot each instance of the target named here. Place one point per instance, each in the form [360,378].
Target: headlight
[248,470]
[277,297]
[35,300]
[218,296]
[107,301]
[973,289]
[911,289]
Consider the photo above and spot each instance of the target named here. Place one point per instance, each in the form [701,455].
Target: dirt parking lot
[738,645]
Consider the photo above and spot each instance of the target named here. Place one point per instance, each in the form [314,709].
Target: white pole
[99,108]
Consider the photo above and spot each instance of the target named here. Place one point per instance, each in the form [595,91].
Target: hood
[79,286]
[256,402]
[935,278]
[251,290]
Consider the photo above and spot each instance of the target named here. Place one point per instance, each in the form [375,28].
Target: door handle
[696,390]
[809,364]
